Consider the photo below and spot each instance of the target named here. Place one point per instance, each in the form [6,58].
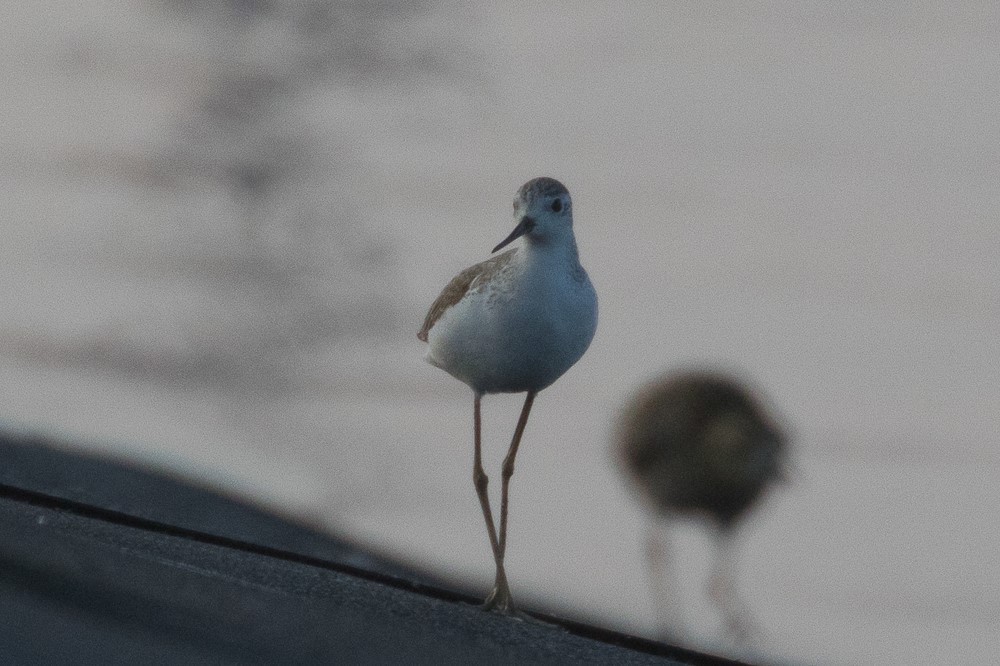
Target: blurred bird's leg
[664,584]
[723,590]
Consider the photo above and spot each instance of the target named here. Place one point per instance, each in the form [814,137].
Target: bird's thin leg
[664,583]
[723,590]
[508,468]
[481,481]
[500,598]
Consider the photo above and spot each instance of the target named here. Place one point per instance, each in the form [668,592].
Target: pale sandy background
[223,223]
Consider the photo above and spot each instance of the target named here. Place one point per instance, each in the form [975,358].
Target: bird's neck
[559,247]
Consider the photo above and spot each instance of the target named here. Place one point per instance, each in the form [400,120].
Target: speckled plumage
[472,279]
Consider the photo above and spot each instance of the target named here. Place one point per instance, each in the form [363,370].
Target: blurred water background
[223,221]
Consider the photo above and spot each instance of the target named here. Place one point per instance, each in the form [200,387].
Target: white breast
[522,330]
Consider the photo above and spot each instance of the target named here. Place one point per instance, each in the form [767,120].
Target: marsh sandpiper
[515,323]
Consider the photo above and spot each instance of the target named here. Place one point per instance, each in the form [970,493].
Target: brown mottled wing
[459,286]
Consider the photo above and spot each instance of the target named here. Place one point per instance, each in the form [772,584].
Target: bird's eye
[557,205]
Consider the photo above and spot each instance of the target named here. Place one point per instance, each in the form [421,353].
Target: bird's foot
[500,600]
[741,628]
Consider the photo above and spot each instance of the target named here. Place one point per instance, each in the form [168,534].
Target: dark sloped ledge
[82,583]
[36,463]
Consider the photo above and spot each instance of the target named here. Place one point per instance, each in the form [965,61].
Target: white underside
[520,333]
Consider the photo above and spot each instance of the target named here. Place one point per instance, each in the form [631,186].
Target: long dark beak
[524,226]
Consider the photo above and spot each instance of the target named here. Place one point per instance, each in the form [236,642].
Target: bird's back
[472,278]
[699,443]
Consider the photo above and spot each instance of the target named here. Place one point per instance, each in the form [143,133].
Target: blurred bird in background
[699,444]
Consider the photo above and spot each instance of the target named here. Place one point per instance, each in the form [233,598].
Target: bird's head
[543,210]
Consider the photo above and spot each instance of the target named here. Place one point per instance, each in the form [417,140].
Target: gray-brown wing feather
[460,285]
